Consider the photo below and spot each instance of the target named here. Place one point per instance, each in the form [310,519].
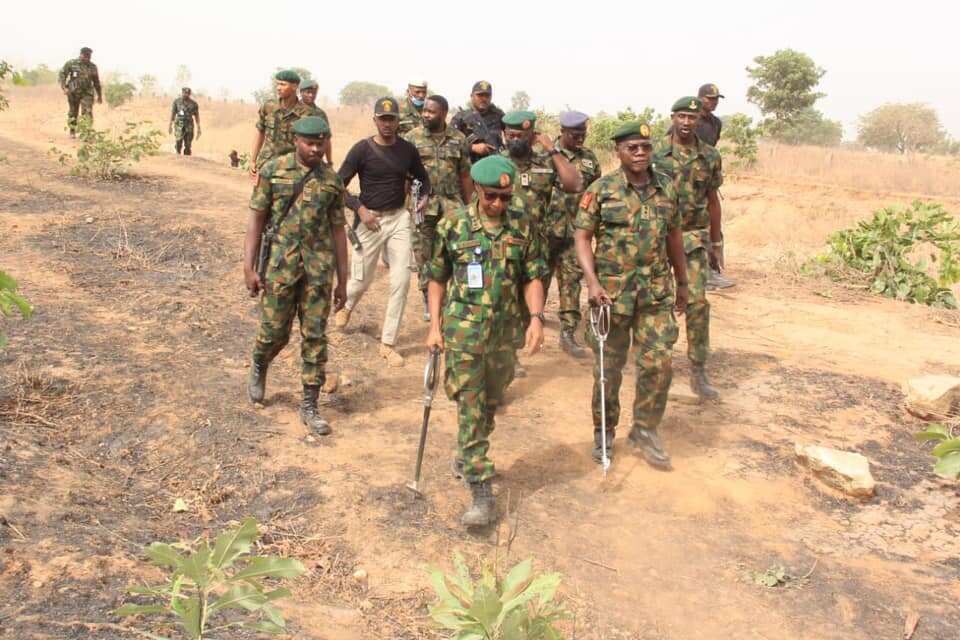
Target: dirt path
[128,392]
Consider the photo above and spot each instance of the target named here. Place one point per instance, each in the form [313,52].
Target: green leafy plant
[740,138]
[519,606]
[103,155]
[10,300]
[883,251]
[603,125]
[208,584]
[42,74]
[5,70]
[116,93]
[946,451]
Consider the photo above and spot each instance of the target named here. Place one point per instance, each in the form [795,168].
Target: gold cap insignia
[388,106]
[645,131]
[693,104]
[485,86]
[714,89]
[504,180]
[526,124]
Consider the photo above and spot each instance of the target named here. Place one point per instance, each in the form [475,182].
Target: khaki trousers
[394,238]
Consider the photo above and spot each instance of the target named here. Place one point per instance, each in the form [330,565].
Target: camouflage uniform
[472,123]
[183,112]
[302,261]
[82,82]
[695,170]
[630,226]
[482,328]
[276,123]
[410,117]
[558,228]
[537,179]
[446,157]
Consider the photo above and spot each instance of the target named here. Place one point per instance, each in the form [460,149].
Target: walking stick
[430,378]
[600,325]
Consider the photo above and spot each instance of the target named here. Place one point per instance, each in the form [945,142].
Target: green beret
[631,129]
[493,171]
[308,84]
[311,127]
[288,75]
[687,103]
[520,119]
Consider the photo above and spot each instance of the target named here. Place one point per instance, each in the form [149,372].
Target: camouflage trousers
[562,261]
[183,132]
[653,331]
[289,292]
[698,309]
[477,383]
[423,237]
[78,104]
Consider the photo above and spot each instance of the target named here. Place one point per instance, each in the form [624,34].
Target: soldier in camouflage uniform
[79,80]
[182,114]
[481,123]
[697,173]
[446,157]
[484,257]
[310,245]
[633,215]
[275,120]
[558,226]
[308,96]
[411,109]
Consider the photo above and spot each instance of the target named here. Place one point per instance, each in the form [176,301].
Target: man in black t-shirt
[708,130]
[384,163]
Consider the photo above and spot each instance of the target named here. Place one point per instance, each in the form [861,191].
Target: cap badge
[645,131]
[526,124]
[504,180]
[387,106]
[693,104]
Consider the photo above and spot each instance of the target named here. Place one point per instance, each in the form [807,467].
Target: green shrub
[103,155]
[517,607]
[603,125]
[947,450]
[34,77]
[5,70]
[10,299]
[116,93]
[208,584]
[740,138]
[883,252]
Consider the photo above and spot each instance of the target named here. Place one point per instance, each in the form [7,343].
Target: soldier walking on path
[486,256]
[80,80]
[384,162]
[561,254]
[446,156]
[708,130]
[183,112]
[302,199]
[275,120]
[411,109]
[481,123]
[697,173]
[308,95]
[633,215]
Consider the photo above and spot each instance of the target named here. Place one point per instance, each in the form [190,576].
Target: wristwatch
[553,152]
[541,316]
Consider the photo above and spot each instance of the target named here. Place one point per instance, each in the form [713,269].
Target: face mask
[518,148]
[417,102]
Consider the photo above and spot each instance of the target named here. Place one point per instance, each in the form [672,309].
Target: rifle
[415,199]
[269,232]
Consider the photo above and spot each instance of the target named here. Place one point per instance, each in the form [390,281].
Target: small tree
[10,299]
[39,75]
[520,101]
[901,128]
[358,93]
[104,156]
[117,93]
[5,70]
[808,126]
[784,85]
[740,136]
[148,85]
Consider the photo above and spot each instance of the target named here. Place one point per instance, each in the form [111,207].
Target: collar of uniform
[653,182]
[698,144]
[476,222]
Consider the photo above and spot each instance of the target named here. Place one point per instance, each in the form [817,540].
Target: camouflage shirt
[695,170]
[276,123]
[480,127]
[410,116]
[183,111]
[630,226]
[79,77]
[446,157]
[536,180]
[563,206]
[485,318]
[305,235]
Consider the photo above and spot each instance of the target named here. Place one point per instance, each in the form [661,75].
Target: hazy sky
[592,56]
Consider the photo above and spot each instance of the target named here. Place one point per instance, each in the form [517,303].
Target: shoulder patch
[586,200]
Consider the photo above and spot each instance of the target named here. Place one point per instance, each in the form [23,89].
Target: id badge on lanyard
[475,271]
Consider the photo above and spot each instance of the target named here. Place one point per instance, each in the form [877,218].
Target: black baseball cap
[709,91]
[482,86]
[386,107]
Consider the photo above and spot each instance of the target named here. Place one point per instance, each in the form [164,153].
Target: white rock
[360,575]
[932,397]
[842,470]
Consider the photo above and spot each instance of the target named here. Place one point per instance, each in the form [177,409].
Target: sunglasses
[637,147]
[490,197]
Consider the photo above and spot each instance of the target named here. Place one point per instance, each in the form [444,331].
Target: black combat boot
[308,411]
[483,510]
[700,384]
[598,448]
[568,343]
[650,445]
[257,382]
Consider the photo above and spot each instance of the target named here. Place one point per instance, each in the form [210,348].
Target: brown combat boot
[309,416]
[700,384]
[483,510]
[257,381]
[569,344]
[651,447]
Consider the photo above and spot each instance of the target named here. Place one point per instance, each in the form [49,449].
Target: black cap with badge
[709,91]
[386,107]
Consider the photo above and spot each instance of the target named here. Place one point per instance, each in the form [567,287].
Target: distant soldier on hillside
[183,112]
[79,80]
